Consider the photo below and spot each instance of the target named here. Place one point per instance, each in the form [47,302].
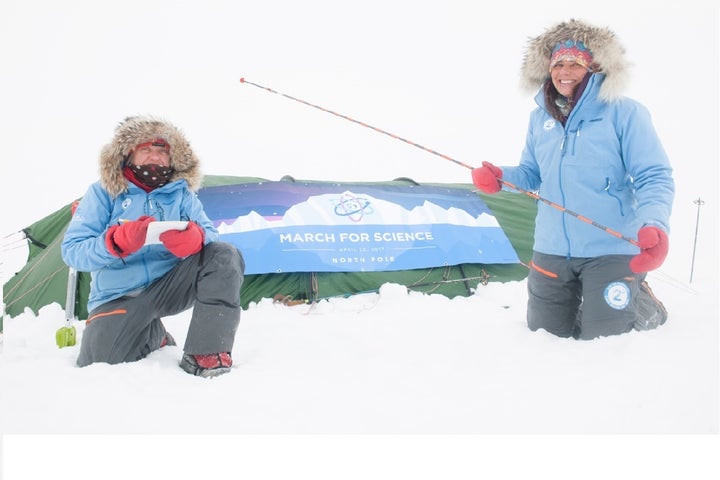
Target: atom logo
[355,208]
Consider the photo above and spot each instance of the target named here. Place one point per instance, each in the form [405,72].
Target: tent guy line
[507,184]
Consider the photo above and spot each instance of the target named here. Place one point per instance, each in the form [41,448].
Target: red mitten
[183,243]
[487,178]
[654,246]
[126,238]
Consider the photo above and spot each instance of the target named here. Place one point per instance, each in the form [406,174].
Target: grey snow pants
[587,298]
[129,328]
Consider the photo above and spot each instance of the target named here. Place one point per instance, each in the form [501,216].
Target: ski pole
[699,202]
[507,184]
[243,80]
[570,212]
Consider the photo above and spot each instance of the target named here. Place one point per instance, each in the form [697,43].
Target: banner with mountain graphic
[355,227]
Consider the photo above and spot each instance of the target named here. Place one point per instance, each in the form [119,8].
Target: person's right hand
[487,178]
[126,238]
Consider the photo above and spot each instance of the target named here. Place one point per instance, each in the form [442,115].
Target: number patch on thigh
[617,295]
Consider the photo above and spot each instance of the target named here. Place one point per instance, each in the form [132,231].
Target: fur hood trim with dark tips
[139,129]
[608,54]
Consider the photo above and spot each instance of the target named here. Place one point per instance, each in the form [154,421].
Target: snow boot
[168,340]
[206,366]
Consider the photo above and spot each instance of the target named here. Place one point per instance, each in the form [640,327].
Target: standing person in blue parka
[595,152]
[148,173]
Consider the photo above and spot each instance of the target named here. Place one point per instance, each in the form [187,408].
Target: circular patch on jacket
[617,295]
[549,124]
[126,203]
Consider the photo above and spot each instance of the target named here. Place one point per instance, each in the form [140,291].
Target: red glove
[183,243]
[487,178]
[654,246]
[126,238]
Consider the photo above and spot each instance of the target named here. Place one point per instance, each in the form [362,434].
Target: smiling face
[156,152]
[566,75]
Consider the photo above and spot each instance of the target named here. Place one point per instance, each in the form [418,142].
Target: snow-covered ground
[396,384]
[384,363]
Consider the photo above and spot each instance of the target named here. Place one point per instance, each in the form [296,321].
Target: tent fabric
[43,280]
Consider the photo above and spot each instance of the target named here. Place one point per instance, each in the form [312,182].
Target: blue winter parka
[84,249]
[606,164]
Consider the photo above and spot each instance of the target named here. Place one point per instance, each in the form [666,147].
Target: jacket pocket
[545,272]
[615,193]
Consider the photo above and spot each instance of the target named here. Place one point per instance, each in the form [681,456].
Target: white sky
[441,74]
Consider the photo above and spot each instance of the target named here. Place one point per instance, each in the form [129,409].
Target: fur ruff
[608,55]
[139,129]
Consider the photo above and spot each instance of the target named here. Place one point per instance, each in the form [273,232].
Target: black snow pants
[129,328]
[587,298]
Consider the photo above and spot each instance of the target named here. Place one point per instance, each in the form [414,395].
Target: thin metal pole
[507,184]
[699,202]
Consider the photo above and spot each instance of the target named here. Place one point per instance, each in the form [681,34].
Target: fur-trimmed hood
[139,129]
[607,52]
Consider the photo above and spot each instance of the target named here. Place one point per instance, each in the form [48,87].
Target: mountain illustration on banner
[291,227]
[353,209]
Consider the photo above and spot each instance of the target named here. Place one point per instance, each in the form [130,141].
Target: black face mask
[152,174]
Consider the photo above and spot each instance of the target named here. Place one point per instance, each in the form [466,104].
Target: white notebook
[156,228]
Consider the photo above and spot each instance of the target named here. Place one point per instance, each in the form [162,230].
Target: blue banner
[348,227]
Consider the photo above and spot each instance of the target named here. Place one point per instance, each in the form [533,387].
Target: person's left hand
[654,245]
[183,243]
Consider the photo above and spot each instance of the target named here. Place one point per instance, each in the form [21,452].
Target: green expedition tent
[43,280]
